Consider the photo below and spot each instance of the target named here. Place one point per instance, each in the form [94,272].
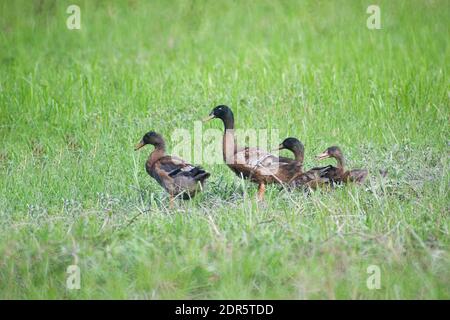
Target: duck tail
[199,174]
[202,176]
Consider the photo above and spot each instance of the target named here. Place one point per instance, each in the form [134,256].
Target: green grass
[73,104]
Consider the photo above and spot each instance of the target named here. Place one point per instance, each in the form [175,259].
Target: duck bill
[210,117]
[322,156]
[139,145]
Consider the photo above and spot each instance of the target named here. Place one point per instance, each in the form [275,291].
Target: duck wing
[176,175]
[312,178]
[175,167]
[263,163]
[329,172]
[256,157]
[332,175]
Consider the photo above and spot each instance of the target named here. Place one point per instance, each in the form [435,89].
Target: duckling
[175,175]
[254,164]
[339,174]
[311,178]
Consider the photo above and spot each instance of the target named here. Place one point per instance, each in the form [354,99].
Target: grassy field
[74,102]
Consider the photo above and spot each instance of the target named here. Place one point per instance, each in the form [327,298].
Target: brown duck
[176,176]
[312,178]
[254,164]
[339,174]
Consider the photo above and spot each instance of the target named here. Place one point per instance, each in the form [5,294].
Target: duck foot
[171,202]
[261,190]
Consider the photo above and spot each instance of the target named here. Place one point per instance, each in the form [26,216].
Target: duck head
[294,145]
[331,152]
[152,138]
[223,113]
[291,144]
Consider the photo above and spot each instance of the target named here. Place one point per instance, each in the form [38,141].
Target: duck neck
[158,153]
[299,155]
[228,121]
[299,158]
[229,140]
[340,162]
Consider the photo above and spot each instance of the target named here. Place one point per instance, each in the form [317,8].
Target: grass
[73,104]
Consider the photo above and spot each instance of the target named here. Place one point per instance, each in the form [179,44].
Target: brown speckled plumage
[339,174]
[311,178]
[254,164]
[176,176]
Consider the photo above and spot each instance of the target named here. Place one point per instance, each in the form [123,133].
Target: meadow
[73,103]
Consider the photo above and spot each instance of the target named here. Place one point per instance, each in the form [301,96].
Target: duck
[254,164]
[338,174]
[175,175]
[312,178]
[296,147]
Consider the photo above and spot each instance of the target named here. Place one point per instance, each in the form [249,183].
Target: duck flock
[181,179]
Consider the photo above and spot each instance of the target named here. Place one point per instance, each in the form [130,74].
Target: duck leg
[261,190]
[171,201]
